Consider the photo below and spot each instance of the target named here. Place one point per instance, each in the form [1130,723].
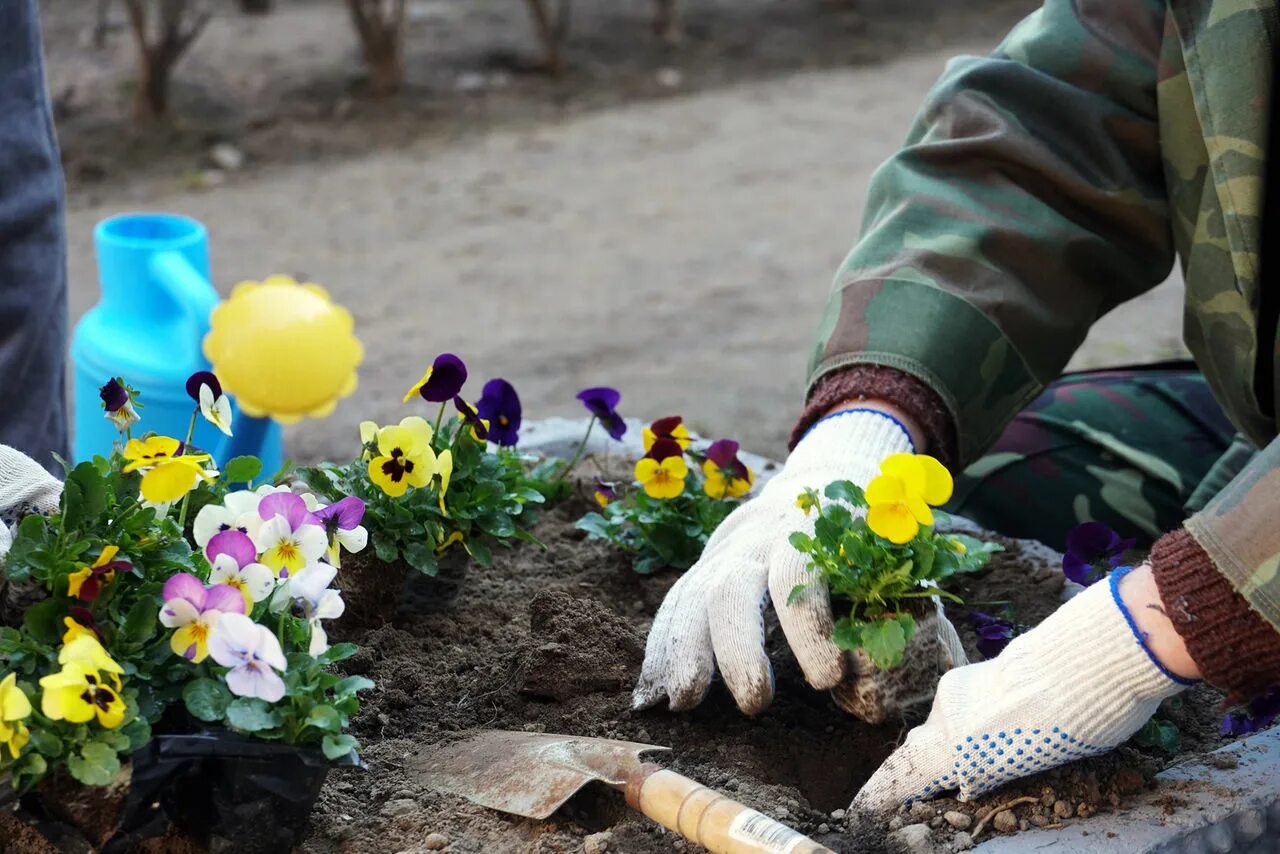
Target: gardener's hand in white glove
[713,616]
[25,488]
[1079,684]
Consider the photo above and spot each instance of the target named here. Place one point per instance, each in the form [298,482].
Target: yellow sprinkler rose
[14,707]
[404,458]
[283,349]
[898,499]
[662,478]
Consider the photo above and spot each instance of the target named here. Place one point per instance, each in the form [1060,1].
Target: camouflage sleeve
[1239,532]
[1027,201]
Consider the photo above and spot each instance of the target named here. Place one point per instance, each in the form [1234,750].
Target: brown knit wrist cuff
[1235,648]
[864,382]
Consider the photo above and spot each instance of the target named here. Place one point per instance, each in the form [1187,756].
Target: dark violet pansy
[500,406]
[114,395]
[346,514]
[724,453]
[443,381]
[602,402]
[1258,714]
[472,416]
[994,633]
[200,378]
[1092,549]
[664,448]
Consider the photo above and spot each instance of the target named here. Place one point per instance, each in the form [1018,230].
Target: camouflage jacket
[1048,183]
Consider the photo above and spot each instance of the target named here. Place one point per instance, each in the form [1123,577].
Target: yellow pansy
[449,541]
[78,694]
[444,468]
[662,478]
[672,427]
[404,458]
[75,630]
[718,485]
[153,450]
[172,479]
[14,707]
[898,499]
[88,651]
[368,440]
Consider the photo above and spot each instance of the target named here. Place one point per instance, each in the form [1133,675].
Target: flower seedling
[887,560]
[666,517]
[994,632]
[1093,550]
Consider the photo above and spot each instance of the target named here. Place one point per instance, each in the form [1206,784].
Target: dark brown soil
[551,641]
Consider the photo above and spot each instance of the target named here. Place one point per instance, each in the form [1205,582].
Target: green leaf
[95,765]
[46,743]
[326,718]
[795,593]
[596,526]
[908,624]
[1160,733]
[141,622]
[847,634]
[206,699]
[338,746]
[801,541]
[241,469]
[351,685]
[846,491]
[421,557]
[385,548]
[884,641]
[249,714]
[42,621]
[138,732]
[337,652]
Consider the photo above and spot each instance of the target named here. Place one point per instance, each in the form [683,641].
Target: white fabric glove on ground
[25,488]
[713,616]
[1077,685]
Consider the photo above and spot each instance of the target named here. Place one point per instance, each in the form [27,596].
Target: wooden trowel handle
[710,819]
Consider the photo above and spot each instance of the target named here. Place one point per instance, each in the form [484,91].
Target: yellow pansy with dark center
[404,457]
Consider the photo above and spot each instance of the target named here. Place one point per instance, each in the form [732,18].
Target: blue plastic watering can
[148,329]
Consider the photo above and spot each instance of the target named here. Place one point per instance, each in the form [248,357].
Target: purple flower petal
[1077,570]
[600,401]
[664,448]
[285,504]
[200,378]
[348,513]
[224,598]
[113,395]
[184,585]
[500,406]
[448,376]
[234,543]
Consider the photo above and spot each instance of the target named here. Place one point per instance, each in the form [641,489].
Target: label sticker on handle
[764,833]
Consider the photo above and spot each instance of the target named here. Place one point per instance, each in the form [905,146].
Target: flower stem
[191,428]
[577,455]
[186,499]
[439,419]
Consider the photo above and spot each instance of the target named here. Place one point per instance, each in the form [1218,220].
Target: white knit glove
[713,616]
[25,488]
[1079,684]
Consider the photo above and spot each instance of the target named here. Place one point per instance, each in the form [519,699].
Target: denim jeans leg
[33,269]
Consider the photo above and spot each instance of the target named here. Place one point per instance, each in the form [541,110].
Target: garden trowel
[532,774]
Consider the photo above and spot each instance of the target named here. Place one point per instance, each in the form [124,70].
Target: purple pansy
[500,406]
[200,378]
[994,633]
[602,402]
[444,380]
[471,416]
[1258,714]
[341,522]
[113,394]
[724,453]
[1092,549]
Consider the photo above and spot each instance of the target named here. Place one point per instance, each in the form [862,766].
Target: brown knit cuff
[863,382]
[1235,648]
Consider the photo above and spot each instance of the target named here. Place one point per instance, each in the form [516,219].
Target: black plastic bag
[222,790]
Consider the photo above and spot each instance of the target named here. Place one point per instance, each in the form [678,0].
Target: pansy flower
[237,512]
[80,692]
[444,470]
[87,582]
[118,405]
[234,559]
[602,403]
[500,406]
[442,382]
[341,524]
[194,610]
[368,440]
[290,537]
[1092,549]
[167,473]
[254,655]
[899,497]
[309,589]
[405,457]
[14,708]
[726,475]
[672,427]
[662,471]
[203,387]
[80,623]
[994,633]
[471,416]
[604,493]
[1258,714]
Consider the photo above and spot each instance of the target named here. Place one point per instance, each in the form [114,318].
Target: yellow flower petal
[919,510]
[444,468]
[74,630]
[76,580]
[368,432]
[15,738]
[645,469]
[938,485]
[908,469]
[675,467]
[884,489]
[715,484]
[416,387]
[14,705]
[893,522]
[191,641]
[170,480]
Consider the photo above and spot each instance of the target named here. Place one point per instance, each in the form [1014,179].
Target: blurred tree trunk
[160,48]
[551,34]
[666,21]
[380,26]
[255,7]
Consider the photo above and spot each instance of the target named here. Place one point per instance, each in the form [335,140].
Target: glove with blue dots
[1079,684]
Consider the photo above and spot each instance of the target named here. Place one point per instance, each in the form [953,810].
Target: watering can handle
[710,819]
[187,287]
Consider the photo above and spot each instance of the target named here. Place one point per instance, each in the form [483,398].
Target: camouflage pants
[1137,448]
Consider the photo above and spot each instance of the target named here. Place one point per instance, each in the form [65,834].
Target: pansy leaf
[421,557]
[385,548]
[796,593]
[89,498]
[479,551]
[338,746]
[337,652]
[42,621]
[847,634]
[249,714]
[351,685]
[846,491]
[241,469]
[206,699]
[141,621]
[46,743]
[325,718]
[138,733]
[884,642]
[95,765]
[801,541]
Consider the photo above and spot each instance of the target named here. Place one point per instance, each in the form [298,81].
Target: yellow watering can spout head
[283,349]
